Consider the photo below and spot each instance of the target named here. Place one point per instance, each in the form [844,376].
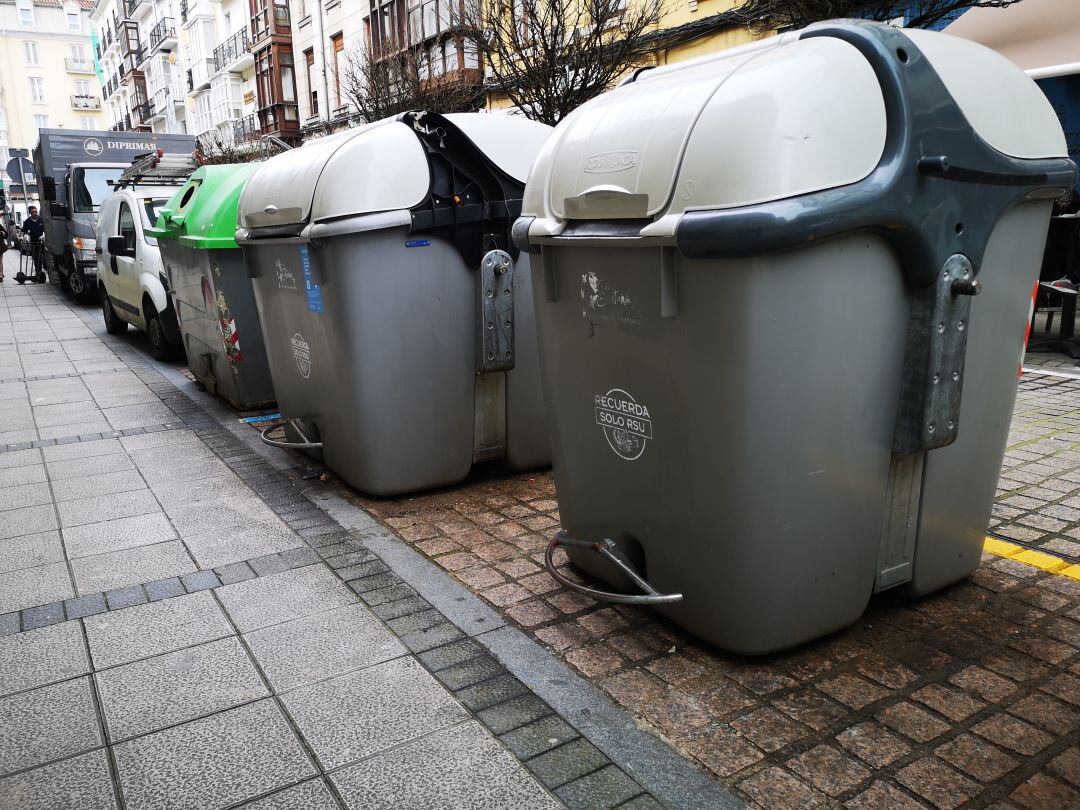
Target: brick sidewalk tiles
[970,697]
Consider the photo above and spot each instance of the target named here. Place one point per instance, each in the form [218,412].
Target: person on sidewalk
[34,227]
[3,249]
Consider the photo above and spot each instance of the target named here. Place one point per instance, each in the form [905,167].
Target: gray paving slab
[70,452]
[310,795]
[47,723]
[159,627]
[222,546]
[116,535]
[154,693]
[128,416]
[40,585]
[29,474]
[217,761]
[22,495]
[141,445]
[217,488]
[131,566]
[30,550]
[197,518]
[18,436]
[19,458]
[364,712]
[67,412]
[322,646]
[80,466]
[456,767]
[79,783]
[39,657]
[280,597]
[106,483]
[27,520]
[82,428]
[107,507]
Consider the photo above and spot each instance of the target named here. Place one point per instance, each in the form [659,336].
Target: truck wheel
[160,348]
[113,324]
[77,284]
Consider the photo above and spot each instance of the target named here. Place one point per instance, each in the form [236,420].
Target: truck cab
[131,280]
[72,225]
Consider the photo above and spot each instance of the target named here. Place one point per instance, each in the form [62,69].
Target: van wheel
[160,348]
[113,324]
[76,283]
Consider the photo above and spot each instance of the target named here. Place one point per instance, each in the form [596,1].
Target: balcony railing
[183,11]
[140,113]
[78,66]
[130,6]
[231,49]
[246,129]
[163,32]
[85,102]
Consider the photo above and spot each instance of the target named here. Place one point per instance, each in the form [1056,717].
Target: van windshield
[91,186]
[153,208]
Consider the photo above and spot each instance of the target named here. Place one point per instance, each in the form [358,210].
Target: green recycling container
[210,288]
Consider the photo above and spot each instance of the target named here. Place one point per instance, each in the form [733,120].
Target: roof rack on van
[158,169]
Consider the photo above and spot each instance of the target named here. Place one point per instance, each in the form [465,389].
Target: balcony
[178,92]
[246,129]
[85,103]
[131,6]
[234,54]
[140,115]
[271,18]
[159,104]
[163,35]
[78,66]
[183,11]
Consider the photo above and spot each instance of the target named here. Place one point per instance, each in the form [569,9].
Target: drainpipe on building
[320,61]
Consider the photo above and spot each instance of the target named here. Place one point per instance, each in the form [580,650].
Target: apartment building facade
[218,69]
[47,76]
[328,35]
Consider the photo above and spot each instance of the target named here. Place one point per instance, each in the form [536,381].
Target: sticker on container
[286,279]
[626,423]
[314,292]
[301,351]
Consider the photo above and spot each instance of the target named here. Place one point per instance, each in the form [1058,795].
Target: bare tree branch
[385,82]
[771,15]
[548,57]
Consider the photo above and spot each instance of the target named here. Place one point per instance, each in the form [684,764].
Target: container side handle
[285,444]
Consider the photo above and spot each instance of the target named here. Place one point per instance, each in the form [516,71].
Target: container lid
[775,120]
[383,166]
[202,214]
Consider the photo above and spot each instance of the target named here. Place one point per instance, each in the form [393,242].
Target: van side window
[127,226]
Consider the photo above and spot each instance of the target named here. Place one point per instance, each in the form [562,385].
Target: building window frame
[30,53]
[37,90]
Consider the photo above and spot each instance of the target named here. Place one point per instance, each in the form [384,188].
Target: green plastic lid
[202,214]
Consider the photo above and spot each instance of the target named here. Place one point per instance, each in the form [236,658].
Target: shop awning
[1041,36]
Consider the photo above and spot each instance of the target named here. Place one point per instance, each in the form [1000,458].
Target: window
[78,53]
[31,53]
[87,122]
[309,60]
[41,122]
[37,90]
[338,43]
[91,187]
[127,226]
[82,88]
[73,21]
[26,13]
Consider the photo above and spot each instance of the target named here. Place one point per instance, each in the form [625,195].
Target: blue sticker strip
[314,292]
[418,243]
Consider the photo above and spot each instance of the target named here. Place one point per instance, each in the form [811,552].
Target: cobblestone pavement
[181,627]
[970,697]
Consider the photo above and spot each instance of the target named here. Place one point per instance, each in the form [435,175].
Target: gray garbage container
[756,314]
[214,302]
[396,310]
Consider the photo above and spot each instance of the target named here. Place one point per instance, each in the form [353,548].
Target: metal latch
[495,345]
[934,364]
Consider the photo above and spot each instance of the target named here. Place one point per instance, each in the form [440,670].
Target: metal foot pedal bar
[285,444]
[604,548]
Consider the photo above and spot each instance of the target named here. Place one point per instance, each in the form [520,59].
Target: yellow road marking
[1027,556]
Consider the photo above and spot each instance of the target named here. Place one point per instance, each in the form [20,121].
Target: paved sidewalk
[181,627]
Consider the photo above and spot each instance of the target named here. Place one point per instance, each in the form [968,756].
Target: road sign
[18,153]
[21,172]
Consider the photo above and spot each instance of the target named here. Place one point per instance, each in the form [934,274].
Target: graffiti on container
[230,335]
[286,279]
[604,305]
[301,350]
[626,423]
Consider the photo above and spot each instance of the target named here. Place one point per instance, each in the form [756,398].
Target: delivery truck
[76,169]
